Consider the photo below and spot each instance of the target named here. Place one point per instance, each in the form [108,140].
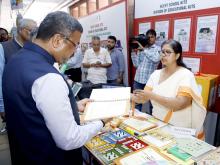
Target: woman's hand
[140,96]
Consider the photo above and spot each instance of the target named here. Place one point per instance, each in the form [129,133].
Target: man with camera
[145,56]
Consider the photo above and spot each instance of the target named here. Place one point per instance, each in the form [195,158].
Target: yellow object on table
[208,85]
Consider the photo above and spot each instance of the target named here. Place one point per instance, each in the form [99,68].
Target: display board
[194,23]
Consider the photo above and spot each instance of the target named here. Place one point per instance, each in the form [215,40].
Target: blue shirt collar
[39,50]
[113,50]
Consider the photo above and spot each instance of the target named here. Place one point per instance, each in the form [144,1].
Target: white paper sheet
[109,102]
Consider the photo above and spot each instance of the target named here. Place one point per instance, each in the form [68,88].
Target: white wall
[36,11]
[6,20]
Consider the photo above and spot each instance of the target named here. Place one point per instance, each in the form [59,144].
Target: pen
[142,134]
[130,131]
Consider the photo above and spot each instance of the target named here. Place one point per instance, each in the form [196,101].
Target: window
[83,9]
[92,5]
[75,12]
[103,3]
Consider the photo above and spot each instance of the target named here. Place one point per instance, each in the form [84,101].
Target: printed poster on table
[206,34]
[162,28]
[182,32]
[144,27]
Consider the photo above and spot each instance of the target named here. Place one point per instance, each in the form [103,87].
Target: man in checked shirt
[145,60]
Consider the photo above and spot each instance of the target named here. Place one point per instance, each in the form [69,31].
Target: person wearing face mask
[116,71]
[173,91]
[42,114]
[8,50]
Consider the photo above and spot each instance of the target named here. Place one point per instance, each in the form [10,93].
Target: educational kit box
[208,85]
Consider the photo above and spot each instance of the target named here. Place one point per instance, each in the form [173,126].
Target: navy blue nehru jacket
[30,140]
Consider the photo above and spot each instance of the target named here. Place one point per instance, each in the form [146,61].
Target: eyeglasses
[166,53]
[67,38]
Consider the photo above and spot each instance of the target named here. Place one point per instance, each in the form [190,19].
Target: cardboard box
[208,85]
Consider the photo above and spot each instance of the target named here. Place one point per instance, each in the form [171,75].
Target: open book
[107,103]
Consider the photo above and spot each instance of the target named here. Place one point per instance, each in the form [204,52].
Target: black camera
[141,38]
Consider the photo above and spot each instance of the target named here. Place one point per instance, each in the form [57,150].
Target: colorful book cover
[109,155]
[95,143]
[177,152]
[127,140]
[114,136]
[136,145]
[178,161]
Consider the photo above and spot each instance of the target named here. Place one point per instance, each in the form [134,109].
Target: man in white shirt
[97,60]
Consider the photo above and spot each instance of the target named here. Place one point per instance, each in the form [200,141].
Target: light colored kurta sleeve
[50,92]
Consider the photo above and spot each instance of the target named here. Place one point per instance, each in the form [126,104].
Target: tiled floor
[4,149]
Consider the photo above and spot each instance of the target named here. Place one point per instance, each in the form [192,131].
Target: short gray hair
[24,23]
[58,23]
[95,38]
